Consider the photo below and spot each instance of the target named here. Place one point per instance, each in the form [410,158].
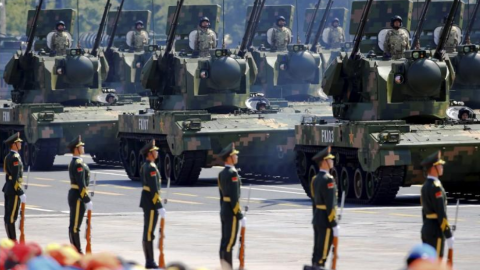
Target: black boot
[75,241]
[11,233]
[226,260]
[148,251]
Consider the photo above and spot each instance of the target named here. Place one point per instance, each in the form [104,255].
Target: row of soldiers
[435,231]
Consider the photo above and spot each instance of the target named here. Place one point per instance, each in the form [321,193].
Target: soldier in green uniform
[78,199]
[150,201]
[396,40]
[281,36]
[336,35]
[13,168]
[230,213]
[205,38]
[139,38]
[324,198]
[434,206]
[60,39]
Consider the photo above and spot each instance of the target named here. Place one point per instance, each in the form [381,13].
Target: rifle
[418,31]
[322,25]
[335,239]
[248,30]
[108,51]
[33,28]
[312,22]
[161,259]
[98,38]
[256,20]
[440,50]
[89,219]
[471,23]
[22,212]
[241,255]
[360,30]
[454,228]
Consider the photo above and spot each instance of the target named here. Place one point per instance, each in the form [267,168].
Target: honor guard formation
[402,102]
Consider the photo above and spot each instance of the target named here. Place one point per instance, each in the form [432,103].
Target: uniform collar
[433,178]
[230,166]
[77,157]
[14,151]
[325,171]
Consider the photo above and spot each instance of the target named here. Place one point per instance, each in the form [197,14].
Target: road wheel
[359,183]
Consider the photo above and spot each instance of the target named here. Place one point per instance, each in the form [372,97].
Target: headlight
[192,124]
[399,79]
[389,137]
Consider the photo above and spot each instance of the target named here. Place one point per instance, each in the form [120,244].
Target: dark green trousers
[150,218]
[77,211]
[12,206]
[433,235]
[323,239]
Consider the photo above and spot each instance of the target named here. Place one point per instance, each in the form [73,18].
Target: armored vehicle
[200,104]
[124,60]
[391,115]
[293,74]
[58,97]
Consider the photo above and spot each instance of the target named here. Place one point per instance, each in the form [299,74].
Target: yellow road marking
[26,206]
[213,198]
[38,185]
[185,202]
[65,181]
[44,179]
[124,187]
[185,194]
[404,215]
[109,193]
[364,212]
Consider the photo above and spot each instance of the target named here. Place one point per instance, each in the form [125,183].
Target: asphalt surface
[279,235]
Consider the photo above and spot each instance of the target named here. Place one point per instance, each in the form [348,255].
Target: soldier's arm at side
[342,35]
[220,189]
[330,199]
[441,210]
[154,188]
[234,195]
[386,47]
[80,174]
[16,174]
[407,41]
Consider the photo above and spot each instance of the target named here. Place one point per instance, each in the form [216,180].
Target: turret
[39,75]
[414,88]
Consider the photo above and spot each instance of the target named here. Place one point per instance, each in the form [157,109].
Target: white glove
[23,198]
[162,212]
[243,222]
[336,230]
[89,205]
[450,242]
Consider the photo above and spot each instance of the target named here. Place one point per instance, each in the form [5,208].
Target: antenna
[223,26]
[296,15]
[153,23]
[78,26]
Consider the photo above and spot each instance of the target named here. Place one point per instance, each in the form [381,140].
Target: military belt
[73,186]
[146,188]
[321,206]
[432,216]
[227,199]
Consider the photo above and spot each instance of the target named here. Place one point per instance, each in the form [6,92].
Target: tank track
[388,179]
[192,166]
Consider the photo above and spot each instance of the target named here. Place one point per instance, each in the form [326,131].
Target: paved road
[280,234]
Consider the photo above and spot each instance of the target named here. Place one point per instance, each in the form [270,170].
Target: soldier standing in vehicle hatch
[396,40]
[281,35]
[205,38]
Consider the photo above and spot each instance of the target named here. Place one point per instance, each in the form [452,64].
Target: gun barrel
[173,28]
[418,31]
[446,31]
[312,22]
[471,23]
[248,30]
[255,23]
[322,23]
[114,29]
[33,28]
[100,29]
[361,29]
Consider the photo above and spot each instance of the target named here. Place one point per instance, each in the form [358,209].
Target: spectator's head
[421,252]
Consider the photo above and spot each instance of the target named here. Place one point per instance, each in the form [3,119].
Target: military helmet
[77,142]
[13,139]
[149,147]
[60,23]
[433,160]
[280,18]
[335,20]
[203,19]
[325,154]
[396,18]
[260,104]
[462,111]
[228,151]
[139,22]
